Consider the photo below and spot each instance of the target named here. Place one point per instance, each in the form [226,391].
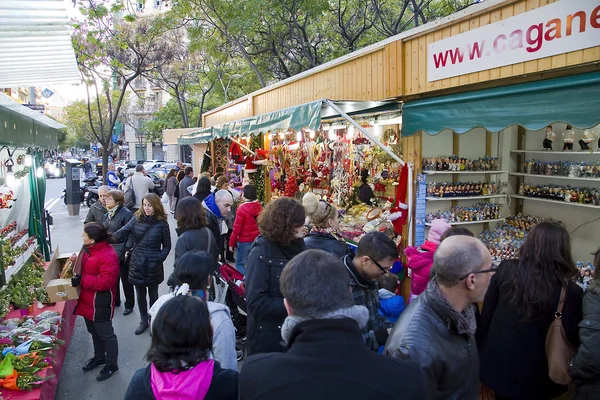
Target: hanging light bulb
[270,135]
[11,181]
[28,160]
[39,172]
[281,135]
[298,136]
[331,133]
[378,130]
[311,133]
[350,134]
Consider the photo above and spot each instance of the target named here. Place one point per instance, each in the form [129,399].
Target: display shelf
[560,203]
[19,262]
[493,196]
[589,153]
[485,221]
[21,241]
[555,177]
[11,234]
[463,172]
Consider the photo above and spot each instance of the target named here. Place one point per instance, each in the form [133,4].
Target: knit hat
[438,227]
[250,192]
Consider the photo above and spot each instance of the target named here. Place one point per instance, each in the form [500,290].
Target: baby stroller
[231,292]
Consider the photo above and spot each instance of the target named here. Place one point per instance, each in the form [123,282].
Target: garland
[258,178]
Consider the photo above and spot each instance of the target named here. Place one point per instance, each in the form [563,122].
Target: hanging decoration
[258,178]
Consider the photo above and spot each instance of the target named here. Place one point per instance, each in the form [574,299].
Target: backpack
[129,200]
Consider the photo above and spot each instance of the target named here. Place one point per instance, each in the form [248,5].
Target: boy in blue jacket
[391,305]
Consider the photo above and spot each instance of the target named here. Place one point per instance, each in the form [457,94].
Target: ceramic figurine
[568,138]
[549,138]
[588,137]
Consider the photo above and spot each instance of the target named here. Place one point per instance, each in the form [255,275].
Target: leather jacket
[449,361]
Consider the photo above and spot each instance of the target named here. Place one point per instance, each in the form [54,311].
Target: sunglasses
[385,271]
[483,271]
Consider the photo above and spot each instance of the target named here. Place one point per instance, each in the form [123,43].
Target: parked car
[159,183]
[163,170]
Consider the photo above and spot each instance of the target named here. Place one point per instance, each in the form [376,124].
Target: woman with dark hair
[97,272]
[178,178]
[192,232]
[517,311]
[115,218]
[202,188]
[281,226]
[171,180]
[193,275]
[325,223]
[180,364]
[152,243]
[365,192]
[585,367]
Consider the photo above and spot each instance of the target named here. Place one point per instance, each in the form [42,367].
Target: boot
[107,372]
[93,363]
[143,325]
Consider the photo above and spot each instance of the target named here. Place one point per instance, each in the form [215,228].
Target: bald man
[437,330]
[98,209]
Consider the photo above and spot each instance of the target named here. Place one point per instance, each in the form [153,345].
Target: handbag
[165,198]
[129,198]
[128,253]
[559,351]
[485,393]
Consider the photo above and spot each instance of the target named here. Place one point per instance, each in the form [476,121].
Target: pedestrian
[325,223]
[226,253]
[98,209]
[437,329]
[116,217]
[326,357]
[281,226]
[112,179]
[141,185]
[420,259]
[151,246]
[171,186]
[203,188]
[179,355]
[585,367]
[245,227]
[179,166]
[179,177]
[87,168]
[187,181]
[518,310]
[193,274]
[218,208]
[391,305]
[222,183]
[375,255]
[192,234]
[99,271]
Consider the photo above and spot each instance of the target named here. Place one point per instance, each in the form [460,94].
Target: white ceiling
[35,44]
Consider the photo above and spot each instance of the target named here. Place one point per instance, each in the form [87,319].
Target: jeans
[106,346]
[127,287]
[141,291]
[243,249]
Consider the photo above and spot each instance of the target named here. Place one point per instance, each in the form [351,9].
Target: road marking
[52,204]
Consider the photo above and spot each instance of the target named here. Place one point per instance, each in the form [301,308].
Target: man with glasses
[374,257]
[98,209]
[437,330]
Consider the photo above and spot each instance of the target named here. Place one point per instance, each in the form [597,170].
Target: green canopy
[302,116]
[38,194]
[574,100]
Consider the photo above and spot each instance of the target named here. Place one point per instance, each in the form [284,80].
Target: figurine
[584,142]
[549,138]
[568,138]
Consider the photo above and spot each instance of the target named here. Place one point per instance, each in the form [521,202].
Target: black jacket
[121,217]
[512,351]
[146,263]
[193,239]
[365,193]
[447,359]
[214,224]
[585,367]
[266,311]
[328,360]
[224,385]
[326,241]
[95,213]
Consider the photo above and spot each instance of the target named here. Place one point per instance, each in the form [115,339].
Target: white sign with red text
[557,28]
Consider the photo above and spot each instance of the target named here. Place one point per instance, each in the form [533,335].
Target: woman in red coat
[245,227]
[98,280]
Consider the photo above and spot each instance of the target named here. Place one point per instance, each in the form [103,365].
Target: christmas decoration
[291,187]
[258,178]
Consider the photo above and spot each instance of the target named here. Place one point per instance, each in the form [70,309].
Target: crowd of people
[325,321]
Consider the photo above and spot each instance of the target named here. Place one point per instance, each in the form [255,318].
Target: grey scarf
[463,322]
[358,313]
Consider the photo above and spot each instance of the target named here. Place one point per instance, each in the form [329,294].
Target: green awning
[302,116]
[574,100]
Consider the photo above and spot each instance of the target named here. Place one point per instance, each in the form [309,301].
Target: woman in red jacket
[245,227]
[98,280]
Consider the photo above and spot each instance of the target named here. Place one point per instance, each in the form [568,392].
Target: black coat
[193,239]
[585,367]
[214,224]
[326,241]
[512,351]
[224,385]
[266,311]
[329,360]
[121,217]
[146,262]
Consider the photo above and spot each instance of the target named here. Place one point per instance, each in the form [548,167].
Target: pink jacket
[420,261]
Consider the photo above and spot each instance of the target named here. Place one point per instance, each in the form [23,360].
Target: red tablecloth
[47,391]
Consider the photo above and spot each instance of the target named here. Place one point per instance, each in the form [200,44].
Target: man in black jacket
[185,183]
[327,358]
[98,210]
[437,330]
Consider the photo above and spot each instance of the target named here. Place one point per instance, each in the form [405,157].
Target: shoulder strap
[561,302]
[209,234]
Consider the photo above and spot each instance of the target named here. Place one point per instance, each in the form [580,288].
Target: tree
[111,53]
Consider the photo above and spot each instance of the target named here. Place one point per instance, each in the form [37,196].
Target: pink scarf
[190,384]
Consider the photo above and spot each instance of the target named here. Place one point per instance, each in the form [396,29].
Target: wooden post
[267,172]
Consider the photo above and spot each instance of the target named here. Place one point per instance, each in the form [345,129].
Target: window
[140,5]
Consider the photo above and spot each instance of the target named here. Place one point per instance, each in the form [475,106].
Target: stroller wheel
[240,350]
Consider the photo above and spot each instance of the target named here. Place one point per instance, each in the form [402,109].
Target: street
[74,383]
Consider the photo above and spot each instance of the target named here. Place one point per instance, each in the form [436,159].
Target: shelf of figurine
[7,197]
[585,196]
[586,272]
[459,164]
[562,168]
[480,212]
[456,190]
